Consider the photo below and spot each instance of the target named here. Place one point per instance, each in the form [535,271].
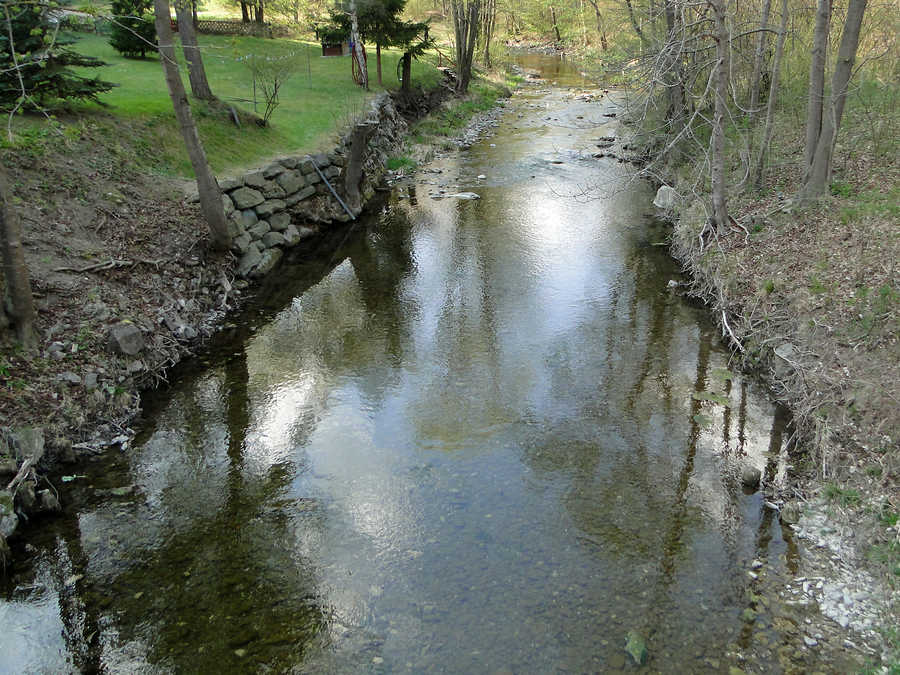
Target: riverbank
[807,297]
[125,288]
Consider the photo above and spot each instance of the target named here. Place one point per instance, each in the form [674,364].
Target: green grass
[316,102]
[448,121]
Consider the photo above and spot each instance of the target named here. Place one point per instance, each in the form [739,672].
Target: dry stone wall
[277,207]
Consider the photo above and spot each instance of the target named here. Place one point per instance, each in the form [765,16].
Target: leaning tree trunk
[357,47]
[758,58]
[604,43]
[820,170]
[773,96]
[555,24]
[196,72]
[245,12]
[816,81]
[208,188]
[18,284]
[717,161]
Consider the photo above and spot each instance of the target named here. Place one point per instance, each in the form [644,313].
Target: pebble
[810,642]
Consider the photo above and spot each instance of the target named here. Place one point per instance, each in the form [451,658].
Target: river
[468,436]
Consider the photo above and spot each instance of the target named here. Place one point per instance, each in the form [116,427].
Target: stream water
[467,436]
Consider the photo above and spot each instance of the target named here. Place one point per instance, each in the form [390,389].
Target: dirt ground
[104,243]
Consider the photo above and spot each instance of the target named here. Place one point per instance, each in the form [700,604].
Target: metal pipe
[341,201]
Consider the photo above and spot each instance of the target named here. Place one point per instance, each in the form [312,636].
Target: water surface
[467,438]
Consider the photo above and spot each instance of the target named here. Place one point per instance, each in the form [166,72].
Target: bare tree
[465,27]
[604,42]
[196,72]
[717,160]
[773,96]
[819,175]
[486,33]
[816,95]
[20,306]
[758,58]
[208,188]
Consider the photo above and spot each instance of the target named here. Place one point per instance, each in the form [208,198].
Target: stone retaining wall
[280,205]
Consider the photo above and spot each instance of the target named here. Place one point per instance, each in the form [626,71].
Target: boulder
[750,477]
[666,198]
[9,521]
[271,239]
[48,502]
[294,235]
[246,198]
[790,513]
[291,181]
[125,338]
[241,243]
[248,218]
[28,442]
[321,160]
[312,178]
[332,172]
[307,166]
[269,207]
[290,162]
[255,180]
[229,184]
[272,190]
[268,260]
[258,230]
[280,221]
[305,193]
[273,170]
[247,262]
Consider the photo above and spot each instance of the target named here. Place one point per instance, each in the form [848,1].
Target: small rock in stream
[636,647]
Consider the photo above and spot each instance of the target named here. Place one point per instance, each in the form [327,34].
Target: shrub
[133,32]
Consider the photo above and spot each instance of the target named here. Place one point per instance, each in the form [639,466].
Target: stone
[48,502]
[5,553]
[229,184]
[307,165]
[9,521]
[290,162]
[790,513]
[269,207]
[125,338]
[69,377]
[29,442]
[294,235]
[321,160]
[332,172]
[750,477]
[336,158]
[257,179]
[56,351]
[8,466]
[748,615]
[245,198]
[259,246]
[241,243]
[280,221]
[465,195]
[185,332]
[273,170]
[247,262]
[271,239]
[636,647]
[258,230]
[272,190]
[312,178]
[291,181]
[269,259]
[248,218]
[228,205]
[666,197]
[26,496]
[305,193]
[233,225]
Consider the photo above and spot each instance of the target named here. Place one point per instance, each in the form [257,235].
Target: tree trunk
[717,161]
[18,285]
[378,61]
[604,43]
[673,76]
[245,12]
[208,188]
[196,71]
[555,24]
[488,19]
[773,95]
[820,171]
[407,72]
[634,23]
[260,12]
[357,46]
[465,27]
[194,14]
[758,58]
[816,81]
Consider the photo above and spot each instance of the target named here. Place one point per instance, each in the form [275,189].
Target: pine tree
[133,32]
[38,70]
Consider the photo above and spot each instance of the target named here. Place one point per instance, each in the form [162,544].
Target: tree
[132,33]
[208,188]
[465,29]
[35,62]
[758,58]
[19,304]
[717,160]
[819,175]
[358,53]
[816,94]
[196,72]
[773,95]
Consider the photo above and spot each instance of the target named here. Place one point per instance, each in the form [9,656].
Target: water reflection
[471,437]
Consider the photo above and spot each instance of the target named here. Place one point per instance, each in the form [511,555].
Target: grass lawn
[316,102]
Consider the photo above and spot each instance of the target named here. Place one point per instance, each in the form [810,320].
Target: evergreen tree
[40,63]
[133,32]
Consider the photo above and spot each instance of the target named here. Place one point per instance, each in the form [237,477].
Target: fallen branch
[21,475]
[731,333]
[108,265]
